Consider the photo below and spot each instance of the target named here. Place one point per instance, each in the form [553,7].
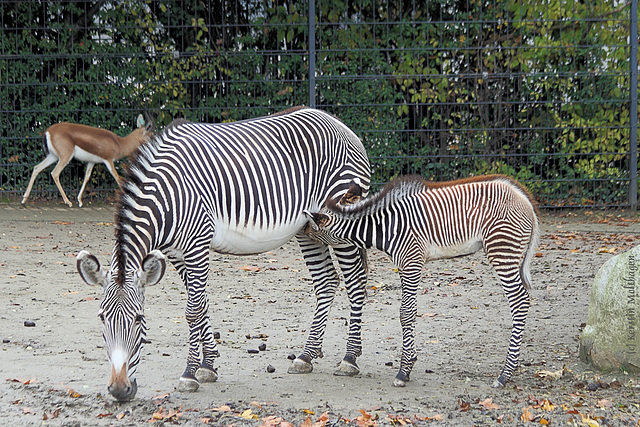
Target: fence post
[312,53]
[633,134]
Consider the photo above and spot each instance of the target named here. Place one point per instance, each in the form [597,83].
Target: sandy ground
[55,372]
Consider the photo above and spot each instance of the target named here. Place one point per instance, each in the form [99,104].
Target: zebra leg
[325,282]
[194,271]
[352,261]
[410,277]
[519,303]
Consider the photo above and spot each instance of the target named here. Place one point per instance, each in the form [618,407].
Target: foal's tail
[534,239]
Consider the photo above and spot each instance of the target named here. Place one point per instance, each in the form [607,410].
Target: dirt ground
[55,373]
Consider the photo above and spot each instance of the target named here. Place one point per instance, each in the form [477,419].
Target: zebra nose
[123,392]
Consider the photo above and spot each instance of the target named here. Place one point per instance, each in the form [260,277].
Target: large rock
[611,339]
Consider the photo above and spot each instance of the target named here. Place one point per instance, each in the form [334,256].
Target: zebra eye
[139,318]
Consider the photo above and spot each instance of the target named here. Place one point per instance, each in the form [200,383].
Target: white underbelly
[250,239]
[85,156]
[465,248]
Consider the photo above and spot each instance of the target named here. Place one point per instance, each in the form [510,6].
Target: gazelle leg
[56,178]
[87,174]
[49,160]
[112,168]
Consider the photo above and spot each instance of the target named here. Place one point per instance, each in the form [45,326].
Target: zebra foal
[237,188]
[415,221]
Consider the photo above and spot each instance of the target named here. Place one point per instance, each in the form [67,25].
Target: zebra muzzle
[120,386]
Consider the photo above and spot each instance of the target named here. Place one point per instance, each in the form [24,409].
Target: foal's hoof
[206,375]
[346,369]
[300,366]
[188,384]
[499,382]
[397,382]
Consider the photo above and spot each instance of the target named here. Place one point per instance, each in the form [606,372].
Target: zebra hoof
[346,369]
[499,383]
[299,366]
[206,375]
[188,384]
[397,382]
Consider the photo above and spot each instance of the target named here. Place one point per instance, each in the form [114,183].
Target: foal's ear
[153,268]
[316,220]
[353,195]
[89,268]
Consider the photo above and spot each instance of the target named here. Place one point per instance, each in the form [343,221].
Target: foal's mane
[401,187]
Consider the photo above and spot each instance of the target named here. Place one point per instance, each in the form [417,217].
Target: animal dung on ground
[271,369]
[216,335]
[29,323]
[291,356]
[253,351]
[262,347]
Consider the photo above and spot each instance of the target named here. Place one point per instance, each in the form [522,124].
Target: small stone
[388,364]
[292,356]
[6,341]
[29,323]
[428,371]
[271,369]
[216,335]
[593,386]
[253,351]
[262,347]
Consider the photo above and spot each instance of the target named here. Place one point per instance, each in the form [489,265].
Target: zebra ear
[353,195]
[316,220]
[153,268]
[89,268]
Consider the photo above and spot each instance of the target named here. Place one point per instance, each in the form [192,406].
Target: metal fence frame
[316,78]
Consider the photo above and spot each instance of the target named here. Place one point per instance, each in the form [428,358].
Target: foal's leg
[352,262]
[519,303]
[410,276]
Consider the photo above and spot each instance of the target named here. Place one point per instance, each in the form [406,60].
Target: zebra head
[326,227]
[122,316]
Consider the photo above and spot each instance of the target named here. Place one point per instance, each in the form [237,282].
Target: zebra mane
[401,187]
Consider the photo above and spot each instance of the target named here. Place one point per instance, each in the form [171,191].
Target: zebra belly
[451,251]
[248,240]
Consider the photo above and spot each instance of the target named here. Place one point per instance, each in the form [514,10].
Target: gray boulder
[611,339]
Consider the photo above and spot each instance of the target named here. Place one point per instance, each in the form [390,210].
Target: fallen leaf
[249,268]
[62,222]
[74,394]
[488,404]
[547,406]
[104,415]
[307,411]
[526,415]
[463,406]
[27,410]
[604,403]
[121,415]
[249,415]
[544,421]
[223,408]
[549,374]
[271,421]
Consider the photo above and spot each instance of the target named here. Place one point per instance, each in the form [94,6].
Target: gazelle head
[122,315]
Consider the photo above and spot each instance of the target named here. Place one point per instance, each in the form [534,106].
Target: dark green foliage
[445,89]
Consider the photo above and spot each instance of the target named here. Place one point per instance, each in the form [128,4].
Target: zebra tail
[525,272]
[365,260]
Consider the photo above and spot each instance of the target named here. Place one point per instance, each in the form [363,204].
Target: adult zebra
[237,188]
[415,221]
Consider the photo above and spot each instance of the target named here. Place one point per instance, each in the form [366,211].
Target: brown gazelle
[66,141]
